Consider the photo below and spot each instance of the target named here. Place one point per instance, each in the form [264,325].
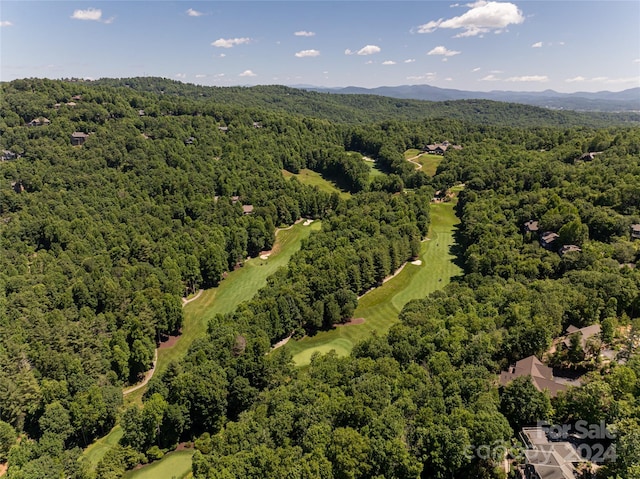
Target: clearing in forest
[239,286]
[175,464]
[312,178]
[423,161]
[374,169]
[380,307]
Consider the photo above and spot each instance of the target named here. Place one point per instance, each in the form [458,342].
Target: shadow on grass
[457,251]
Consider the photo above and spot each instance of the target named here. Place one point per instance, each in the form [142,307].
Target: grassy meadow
[429,162]
[312,178]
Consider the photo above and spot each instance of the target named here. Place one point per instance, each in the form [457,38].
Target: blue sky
[487,45]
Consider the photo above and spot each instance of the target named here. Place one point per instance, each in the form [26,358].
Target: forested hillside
[346,108]
[175,185]
[423,401]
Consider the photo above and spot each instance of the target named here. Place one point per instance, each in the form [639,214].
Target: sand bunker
[417,262]
[307,222]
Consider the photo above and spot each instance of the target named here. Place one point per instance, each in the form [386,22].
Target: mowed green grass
[373,169]
[311,178]
[381,306]
[176,465]
[96,451]
[429,162]
[240,285]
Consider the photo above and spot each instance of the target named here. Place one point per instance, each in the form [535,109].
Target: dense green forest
[364,109]
[100,241]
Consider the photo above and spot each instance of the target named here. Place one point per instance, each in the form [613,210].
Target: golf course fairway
[239,285]
[380,307]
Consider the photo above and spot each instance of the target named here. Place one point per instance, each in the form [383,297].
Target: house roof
[549,237]
[587,332]
[79,134]
[40,119]
[541,375]
[246,209]
[552,472]
[535,436]
[531,226]
[564,450]
[568,248]
[549,459]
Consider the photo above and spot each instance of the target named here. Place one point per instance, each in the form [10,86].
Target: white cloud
[194,13]
[6,23]
[637,60]
[303,33]
[200,75]
[410,60]
[307,53]
[529,78]
[369,50]
[219,75]
[370,62]
[634,80]
[247,73]
[483,17]
[490,78]
[430,26]
[448,79]
[440,50]
[230,42]
[181,75]
[427,76]
[388,62]
[94,14]
[537,45]
[477,69]
[348,52]
[222,55]
[576,79]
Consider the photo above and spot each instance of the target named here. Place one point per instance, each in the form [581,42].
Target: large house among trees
[40,121]
[545,459]
[78,138]
[548,240]
[541,375]
[440,148]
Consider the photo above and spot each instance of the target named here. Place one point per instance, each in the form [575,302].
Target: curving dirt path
[186,301]
[282,342]
[149,374]
[418,165]
[391,276]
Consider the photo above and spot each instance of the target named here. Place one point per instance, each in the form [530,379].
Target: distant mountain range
[623,101]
